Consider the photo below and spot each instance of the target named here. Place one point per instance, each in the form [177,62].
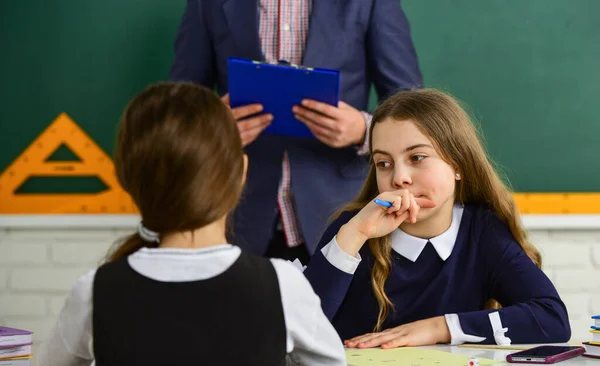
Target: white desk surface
[500,355]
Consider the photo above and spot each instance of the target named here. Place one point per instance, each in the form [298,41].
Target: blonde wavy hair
[441,118]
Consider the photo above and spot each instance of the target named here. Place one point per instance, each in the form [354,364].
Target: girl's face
[405,158]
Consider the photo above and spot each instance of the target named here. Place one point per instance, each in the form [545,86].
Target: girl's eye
[382,164]
[417,158]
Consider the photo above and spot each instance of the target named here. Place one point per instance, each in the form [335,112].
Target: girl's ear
[457,174]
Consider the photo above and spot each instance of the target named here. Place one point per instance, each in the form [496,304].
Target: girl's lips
[426,201]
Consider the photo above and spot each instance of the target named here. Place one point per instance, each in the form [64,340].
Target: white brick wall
[595,303]
[39,266]
[572,261]
[3,278]
[596,255]
[15,304]
[23,252]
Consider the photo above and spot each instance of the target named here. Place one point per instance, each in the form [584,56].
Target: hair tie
[147,234]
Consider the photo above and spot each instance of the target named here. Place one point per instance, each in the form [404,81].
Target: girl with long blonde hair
[426,269]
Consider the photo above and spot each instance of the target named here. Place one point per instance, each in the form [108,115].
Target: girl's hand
[375,221]
[420,333]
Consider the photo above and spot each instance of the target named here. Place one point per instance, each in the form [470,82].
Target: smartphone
[545,354]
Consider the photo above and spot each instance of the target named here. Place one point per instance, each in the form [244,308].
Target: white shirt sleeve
[311,339]
[70,341]
[457,335]
[340,259]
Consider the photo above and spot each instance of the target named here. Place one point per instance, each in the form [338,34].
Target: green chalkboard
[528,69]
[85,58]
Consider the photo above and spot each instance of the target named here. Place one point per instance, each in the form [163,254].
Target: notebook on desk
[12,337]
[278,87]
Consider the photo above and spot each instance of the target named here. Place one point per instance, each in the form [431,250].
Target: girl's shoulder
[81,292]
[491,234]
[481,217]
[334,226]
[343,218]
[480,225]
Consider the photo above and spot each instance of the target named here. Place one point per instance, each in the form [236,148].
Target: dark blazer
[367,40]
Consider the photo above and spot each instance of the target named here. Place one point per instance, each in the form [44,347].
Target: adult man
[294,185]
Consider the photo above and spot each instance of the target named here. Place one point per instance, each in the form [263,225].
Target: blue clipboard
[278,87]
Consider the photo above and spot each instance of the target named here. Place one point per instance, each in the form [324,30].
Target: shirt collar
[182,252]
[411,247]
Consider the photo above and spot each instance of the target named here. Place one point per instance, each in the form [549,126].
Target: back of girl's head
[441,118]
[180,157]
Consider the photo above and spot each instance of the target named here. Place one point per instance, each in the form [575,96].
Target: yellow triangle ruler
[32,163]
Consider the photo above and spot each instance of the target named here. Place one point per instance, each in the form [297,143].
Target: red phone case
[551,359]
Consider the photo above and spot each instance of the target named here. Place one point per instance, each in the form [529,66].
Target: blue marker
[383,203]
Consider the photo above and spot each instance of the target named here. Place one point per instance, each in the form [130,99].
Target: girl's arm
[330,270]
[70,341]
[311,339]
[532,309]
[337,257]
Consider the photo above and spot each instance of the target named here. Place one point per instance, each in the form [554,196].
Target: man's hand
[337,127]
[249,127]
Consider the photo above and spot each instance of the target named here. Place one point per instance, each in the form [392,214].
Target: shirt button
[286,27]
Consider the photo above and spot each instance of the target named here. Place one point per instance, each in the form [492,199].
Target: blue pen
[383,203]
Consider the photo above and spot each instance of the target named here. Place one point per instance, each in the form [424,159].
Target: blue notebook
[278,87]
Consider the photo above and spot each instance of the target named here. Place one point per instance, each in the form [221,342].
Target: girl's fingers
[414,210]
[402,201]
[399,219]
[406,201]
[356,340]
[396,205]
[380,339]
[398,341]
[395,199]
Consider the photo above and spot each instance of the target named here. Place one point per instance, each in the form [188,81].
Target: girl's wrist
[349,238]
[444,331]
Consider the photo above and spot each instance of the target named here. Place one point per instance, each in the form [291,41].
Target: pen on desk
[383,203]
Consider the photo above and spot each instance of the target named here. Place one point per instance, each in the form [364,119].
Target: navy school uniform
[453,274]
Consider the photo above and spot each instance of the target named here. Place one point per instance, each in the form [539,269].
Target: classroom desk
[500,355]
